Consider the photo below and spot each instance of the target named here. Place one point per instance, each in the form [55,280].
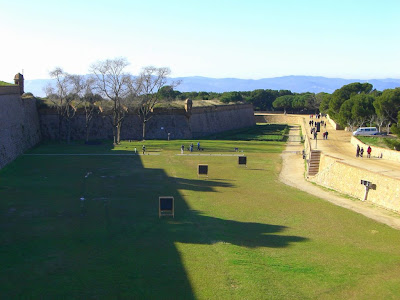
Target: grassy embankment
[3,83]
[238,234]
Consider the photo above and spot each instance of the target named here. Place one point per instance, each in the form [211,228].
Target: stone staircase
[313,164]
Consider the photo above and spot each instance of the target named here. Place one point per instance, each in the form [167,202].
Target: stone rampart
[345,178]
[387,154]
[203,121]
[279,119]
[19,126]
[210,120]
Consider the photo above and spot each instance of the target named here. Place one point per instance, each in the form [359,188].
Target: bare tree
[350,124]
[380,120]
[83,88]
[147,86]
[112,83]
[360,121]
[371,119]
[62,97]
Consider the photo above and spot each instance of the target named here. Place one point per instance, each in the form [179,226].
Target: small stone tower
[19,80]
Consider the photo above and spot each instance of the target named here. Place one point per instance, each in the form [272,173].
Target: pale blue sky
[237,38]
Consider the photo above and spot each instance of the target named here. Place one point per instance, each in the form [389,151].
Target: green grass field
[238,234]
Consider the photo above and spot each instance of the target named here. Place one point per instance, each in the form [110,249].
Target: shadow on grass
[88,227]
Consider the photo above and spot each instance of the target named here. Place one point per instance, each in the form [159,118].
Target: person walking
[326,135]
[369,150]
[198,146]
[358,151]
[182,149]
[362,152]
[143,149]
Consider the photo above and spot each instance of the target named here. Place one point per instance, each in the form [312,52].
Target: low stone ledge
[387,154]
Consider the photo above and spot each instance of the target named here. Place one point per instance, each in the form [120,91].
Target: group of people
[317,125]
[312,123]
[317,116]
[314,133]
[360,151]
[190,147]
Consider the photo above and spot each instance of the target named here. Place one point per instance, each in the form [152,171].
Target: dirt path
[292,174]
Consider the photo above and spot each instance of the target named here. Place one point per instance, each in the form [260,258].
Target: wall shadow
[131,213]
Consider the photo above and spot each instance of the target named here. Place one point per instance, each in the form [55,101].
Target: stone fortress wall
[9,90]
[202,121]
[22,126]
[19,126]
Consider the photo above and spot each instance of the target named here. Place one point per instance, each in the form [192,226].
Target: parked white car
[366,131]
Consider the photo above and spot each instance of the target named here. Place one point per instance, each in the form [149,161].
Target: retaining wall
[345,178]
[333,123]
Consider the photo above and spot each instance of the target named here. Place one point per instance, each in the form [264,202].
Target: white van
[366,131]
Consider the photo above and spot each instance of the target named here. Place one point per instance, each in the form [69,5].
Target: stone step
[313,165]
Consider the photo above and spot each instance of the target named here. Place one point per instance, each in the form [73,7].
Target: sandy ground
[292,174]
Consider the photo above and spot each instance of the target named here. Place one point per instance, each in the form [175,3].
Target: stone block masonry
[202,121]
[19,126]
[215,119]
[345,178]
[10,90]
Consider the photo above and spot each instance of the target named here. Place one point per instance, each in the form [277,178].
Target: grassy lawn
[238,234]
[383,142]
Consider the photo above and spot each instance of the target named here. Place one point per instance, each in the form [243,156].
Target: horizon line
[315,76]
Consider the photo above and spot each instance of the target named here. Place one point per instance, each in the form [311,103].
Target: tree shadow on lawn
[112,243]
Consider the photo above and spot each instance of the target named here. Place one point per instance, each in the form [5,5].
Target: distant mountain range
[298,84]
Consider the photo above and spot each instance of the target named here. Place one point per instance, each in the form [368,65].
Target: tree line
[113,92]
[358,104]
[353,105]
[262,100]
[110,91]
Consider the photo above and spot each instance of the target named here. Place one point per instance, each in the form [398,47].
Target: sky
[248,39]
